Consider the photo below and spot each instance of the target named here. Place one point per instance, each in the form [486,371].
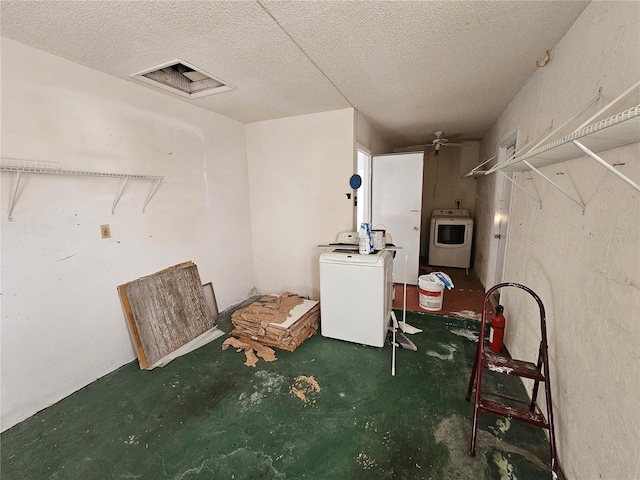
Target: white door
[502,202]
[396,205]
[502,222]
[363,194]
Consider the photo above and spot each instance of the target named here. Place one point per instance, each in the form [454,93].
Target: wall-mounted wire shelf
[589,139]
[21,167]
[613,132]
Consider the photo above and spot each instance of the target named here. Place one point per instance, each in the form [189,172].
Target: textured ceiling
[410,67]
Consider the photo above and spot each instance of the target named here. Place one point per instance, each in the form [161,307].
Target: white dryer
[451,237]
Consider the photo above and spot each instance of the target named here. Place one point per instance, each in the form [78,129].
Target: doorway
[501,207]
[363,194]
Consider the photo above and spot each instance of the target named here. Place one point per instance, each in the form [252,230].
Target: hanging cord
[435,185]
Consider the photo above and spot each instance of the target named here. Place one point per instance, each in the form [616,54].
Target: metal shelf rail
[617,130]
[547,132]
[21,167]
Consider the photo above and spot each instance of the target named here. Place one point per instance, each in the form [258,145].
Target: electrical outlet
[458,203]
[105,231]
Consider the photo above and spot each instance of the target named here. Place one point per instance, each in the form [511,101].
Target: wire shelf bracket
[48,168]
[535,198]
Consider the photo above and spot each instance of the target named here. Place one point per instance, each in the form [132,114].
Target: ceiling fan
[439,142]
[442,142]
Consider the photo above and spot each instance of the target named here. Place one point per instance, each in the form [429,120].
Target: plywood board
[165,311]
[210,297]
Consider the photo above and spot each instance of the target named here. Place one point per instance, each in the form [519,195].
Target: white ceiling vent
[182,78]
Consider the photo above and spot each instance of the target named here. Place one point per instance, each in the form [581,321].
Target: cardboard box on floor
[280,321]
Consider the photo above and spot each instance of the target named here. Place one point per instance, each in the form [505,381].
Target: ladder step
[525,416]
[502,404]
[510,366]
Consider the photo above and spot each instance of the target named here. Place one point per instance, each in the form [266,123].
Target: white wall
[299,170]
[62,323]
[368,137]
[586,268]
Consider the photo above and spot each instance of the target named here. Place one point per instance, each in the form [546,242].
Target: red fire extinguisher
[496,334]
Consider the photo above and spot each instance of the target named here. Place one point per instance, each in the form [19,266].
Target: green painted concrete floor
[207,416]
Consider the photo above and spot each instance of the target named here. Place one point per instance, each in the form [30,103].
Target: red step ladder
[538,372]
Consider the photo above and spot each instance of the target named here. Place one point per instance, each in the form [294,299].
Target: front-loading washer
[450,238]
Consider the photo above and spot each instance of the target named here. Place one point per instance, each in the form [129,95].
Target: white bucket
[431,294]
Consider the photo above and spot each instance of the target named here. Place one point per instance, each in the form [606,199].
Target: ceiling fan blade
[464,140]
[426,145]
[415,147]
[440,143]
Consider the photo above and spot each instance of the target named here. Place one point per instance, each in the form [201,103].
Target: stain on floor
[328,410]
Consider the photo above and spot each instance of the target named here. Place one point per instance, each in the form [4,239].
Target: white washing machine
[356,296]
[451,237]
